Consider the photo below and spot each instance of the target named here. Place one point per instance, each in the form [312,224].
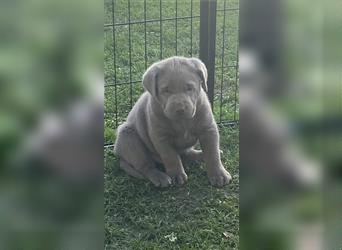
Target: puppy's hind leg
[193,154]
[135,157]
[130,170]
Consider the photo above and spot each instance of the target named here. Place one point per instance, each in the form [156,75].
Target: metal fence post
[208,41]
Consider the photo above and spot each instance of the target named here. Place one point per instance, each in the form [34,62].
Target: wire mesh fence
[138,33]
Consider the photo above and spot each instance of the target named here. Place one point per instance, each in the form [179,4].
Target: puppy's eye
[189,87]
[166,90]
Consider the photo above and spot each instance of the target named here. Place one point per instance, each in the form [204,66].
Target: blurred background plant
[290,124]
[50,54]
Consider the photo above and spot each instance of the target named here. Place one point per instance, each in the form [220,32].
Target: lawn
[194,216]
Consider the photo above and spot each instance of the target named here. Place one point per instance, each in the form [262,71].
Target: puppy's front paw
[220,177]
[178,178]
[159,179]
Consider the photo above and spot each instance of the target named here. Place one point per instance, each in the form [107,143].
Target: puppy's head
[176,84]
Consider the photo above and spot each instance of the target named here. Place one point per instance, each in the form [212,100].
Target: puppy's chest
[184,138]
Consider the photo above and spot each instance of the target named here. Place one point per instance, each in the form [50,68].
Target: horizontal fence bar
[151,21]
[121,83]
[228,66]
[230,9]
[224,123]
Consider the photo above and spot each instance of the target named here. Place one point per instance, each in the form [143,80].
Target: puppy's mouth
[180,115]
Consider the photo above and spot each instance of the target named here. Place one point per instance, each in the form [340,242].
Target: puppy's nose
[180,111]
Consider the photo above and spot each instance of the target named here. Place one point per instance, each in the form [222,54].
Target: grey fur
[167,121]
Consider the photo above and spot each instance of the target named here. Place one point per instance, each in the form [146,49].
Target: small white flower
[171,237]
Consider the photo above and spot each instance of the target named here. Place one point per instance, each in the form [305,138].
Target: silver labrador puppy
[167,121]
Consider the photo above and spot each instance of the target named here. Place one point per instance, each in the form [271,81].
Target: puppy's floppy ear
[150,79]
[201,71]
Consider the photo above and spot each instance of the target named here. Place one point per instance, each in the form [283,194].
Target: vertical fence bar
[130,54]
[222,58]
[236,77]
[114,65]
[145,37]
[161,29]
[176,28]
[207,42]
[191,3]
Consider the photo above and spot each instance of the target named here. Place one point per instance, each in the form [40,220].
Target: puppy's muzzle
[180,110]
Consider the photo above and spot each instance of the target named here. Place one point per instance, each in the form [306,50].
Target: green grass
[194,216]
